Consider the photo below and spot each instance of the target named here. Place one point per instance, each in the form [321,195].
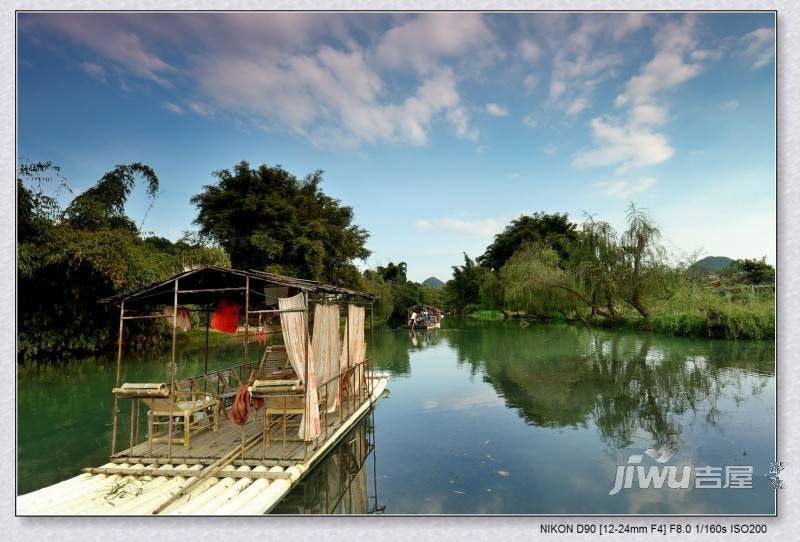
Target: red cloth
[226,317]
[242,404]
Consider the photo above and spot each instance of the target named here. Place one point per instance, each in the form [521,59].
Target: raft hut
[230,441]
[416,318]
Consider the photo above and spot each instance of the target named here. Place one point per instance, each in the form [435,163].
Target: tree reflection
[624,383]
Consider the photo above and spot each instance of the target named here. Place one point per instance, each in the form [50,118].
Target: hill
[433,282]
[711,264]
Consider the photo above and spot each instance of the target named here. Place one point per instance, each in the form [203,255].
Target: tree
[70,260]
[553,229]
[752,271]
[103,205]
[464,289]
[265,218]
[393,272]
[642,260]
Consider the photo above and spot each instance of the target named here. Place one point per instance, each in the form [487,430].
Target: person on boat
[413,319]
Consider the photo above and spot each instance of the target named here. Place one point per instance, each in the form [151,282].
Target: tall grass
[693,310]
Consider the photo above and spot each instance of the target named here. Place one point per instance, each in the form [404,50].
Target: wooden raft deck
[134,485]
[210,445]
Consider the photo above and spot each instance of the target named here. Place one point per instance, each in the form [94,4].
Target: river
[483,418]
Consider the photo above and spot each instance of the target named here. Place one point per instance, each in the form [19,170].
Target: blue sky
[437,128]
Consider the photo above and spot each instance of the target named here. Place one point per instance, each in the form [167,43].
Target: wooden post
[172,371]
[208,324]
[117,380]
[349,357]
[246,322]
[306,413]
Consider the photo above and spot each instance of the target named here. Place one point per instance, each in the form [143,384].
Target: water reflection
[340,483]
[483,418]
[622,383]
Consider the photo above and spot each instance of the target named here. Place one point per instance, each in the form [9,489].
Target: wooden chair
[189,401]
[273,360]
[223,386]
[282,398]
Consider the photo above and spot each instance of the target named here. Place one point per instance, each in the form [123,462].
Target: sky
[437,128]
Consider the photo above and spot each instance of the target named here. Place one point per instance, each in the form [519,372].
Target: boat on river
[231,441]
[424,317]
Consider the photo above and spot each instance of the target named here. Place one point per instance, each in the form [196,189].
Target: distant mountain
[711,264]
[433,282]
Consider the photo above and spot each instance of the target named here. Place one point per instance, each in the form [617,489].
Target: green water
[482,418]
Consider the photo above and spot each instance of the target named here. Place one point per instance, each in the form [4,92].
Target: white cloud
[648,114]
[459,119]
[422,42]
[632,141]
[576,106]
[496,110]
[668,68]
[95,71]
[550,149]
[759,46]
[529,121]
[625,189]
[173,108]
[479,228]
[581,55]
[529,51]
[631,146]
[732,104]
[110,37]
[270,71]
[201,109]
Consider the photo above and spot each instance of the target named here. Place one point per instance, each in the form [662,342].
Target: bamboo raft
[237,483]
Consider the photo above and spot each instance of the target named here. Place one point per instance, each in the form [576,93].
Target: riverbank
[689,313]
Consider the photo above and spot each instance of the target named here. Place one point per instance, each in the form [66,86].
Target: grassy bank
[688,312]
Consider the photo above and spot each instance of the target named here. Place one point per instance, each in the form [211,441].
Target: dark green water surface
[482,418]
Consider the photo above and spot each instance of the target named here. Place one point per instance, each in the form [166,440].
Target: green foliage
[534,283]
[486,315]
[621,279]
[752,271]
[68,262]
[376,285]
[265,218]
[103,205]
[554,230]
[397,293]
[464,289]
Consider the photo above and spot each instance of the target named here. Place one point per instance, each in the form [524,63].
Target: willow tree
[266,218]
[604,269]
[534,282]
[642,261]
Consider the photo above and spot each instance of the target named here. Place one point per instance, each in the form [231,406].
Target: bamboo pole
[117,379]
[208,324]
[307,387]
[172,371]
[246,322]
[208,472]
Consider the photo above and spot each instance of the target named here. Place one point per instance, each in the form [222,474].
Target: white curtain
[325,341]
[294,326]
[354,347]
